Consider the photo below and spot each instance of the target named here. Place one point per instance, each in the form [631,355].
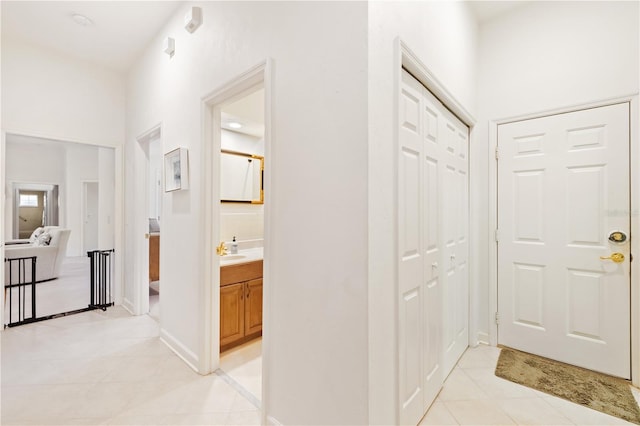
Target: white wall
[316,286]
[155,184]
[241,142]
[444,36]
[81,165]
[51,95]
[543,56]
[106,198]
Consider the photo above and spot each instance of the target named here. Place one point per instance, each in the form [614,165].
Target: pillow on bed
[43,239]
[36,233]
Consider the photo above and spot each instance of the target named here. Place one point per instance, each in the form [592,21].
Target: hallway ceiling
[120,29]
[485,10]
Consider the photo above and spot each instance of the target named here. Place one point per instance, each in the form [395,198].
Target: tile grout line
[239,388]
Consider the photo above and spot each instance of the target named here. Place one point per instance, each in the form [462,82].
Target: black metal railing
[101,277]
[20,286]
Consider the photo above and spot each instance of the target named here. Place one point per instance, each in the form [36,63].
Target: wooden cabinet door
[154,257]
[253,306]
[232,313]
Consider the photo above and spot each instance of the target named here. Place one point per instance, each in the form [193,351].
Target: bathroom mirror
[241,177]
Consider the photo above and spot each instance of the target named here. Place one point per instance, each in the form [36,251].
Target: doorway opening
[251,214]
[149,213]
[242,238]
[34,205]
[65,193]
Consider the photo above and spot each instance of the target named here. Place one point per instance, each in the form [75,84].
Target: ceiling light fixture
[234,125]
[81,20]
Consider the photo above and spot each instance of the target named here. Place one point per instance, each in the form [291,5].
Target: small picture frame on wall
[176,170]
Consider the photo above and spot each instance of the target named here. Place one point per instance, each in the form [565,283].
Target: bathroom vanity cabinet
[154,257]
[240,303]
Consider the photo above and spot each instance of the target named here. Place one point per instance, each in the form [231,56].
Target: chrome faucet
[221,249]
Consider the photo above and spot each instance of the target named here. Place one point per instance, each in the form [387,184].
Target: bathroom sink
[233,257]
[248,255]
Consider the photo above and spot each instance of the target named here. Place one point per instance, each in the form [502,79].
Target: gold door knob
[616,257]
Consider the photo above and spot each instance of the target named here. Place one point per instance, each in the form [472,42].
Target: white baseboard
[190,358]
[483,338]
[273,422]
[126,303]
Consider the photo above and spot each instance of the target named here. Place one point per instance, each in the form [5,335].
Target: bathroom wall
[236,141]
[242,220]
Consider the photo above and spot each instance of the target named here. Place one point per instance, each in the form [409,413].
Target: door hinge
[497,318]
[497,235]
[497,153]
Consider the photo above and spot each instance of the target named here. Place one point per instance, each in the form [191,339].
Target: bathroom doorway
[253,250]
[149,215]
[240,251]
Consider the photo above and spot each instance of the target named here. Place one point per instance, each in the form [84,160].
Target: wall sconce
[169,46]
[193,19]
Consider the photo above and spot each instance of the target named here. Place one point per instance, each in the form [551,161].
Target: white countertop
[243,256]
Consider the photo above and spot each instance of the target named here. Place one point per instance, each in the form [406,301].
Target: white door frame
[412,63]
[209,350]
[635,218]
[2,207]
[140,303]
[407,59]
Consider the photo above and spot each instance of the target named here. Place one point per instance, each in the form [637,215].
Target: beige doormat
[604,393]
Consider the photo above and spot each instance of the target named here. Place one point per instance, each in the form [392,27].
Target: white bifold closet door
[433,246]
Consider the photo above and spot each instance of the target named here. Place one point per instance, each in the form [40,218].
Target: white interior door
[563,188]
[411,262]
[432,244]
[455,248]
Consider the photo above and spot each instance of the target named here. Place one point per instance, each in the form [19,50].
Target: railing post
[101,278]
[17,273]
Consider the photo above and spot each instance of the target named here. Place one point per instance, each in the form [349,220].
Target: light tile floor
[474,395]
[244,365]
[69,292]
[154,300]
[108,368]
